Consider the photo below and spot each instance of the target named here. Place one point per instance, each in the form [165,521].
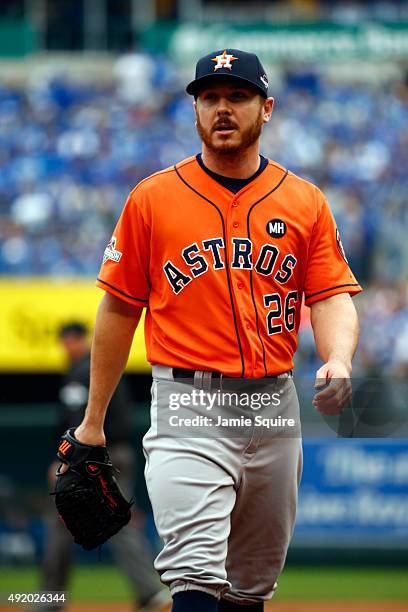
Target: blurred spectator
[384,329]
[134,73]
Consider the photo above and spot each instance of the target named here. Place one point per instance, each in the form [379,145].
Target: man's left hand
[333,387]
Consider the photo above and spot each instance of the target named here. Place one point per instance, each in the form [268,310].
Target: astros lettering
[241,259]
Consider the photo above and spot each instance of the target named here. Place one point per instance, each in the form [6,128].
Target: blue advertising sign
[353,492]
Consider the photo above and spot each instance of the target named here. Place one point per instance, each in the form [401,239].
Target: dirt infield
[340,606]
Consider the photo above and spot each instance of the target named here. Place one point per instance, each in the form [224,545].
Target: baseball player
[220,249]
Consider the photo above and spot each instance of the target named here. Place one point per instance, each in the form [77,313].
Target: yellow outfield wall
[31,313]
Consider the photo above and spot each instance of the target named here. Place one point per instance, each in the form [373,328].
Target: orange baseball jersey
[222,275]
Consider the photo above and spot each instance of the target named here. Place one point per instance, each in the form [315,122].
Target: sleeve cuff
[122,295]
[351,288]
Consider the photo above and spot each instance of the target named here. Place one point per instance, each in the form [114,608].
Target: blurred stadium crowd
[70,153]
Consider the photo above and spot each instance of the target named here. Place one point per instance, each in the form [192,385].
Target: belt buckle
[202,380]
[207,377]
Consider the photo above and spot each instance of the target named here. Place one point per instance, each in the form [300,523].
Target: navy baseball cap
[233,63]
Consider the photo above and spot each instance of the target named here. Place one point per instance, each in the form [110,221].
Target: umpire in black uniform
[130,549]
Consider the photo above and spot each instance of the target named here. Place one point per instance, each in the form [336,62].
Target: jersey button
[248,326]
[235,204]
[240,285]
[235,224]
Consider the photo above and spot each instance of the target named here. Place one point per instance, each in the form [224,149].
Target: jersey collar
[209,188]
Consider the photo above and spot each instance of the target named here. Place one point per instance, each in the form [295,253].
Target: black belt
[183,373]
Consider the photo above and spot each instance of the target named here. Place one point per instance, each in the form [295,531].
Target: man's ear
[195,110]
[268,108]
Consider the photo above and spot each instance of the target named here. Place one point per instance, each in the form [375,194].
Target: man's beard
[248,137]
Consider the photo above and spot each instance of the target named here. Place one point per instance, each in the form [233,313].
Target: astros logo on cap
[223,61]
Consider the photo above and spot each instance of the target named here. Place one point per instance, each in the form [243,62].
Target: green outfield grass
[90,583]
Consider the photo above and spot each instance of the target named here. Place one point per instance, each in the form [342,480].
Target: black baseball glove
[87,495]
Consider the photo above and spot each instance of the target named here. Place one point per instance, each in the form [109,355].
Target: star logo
[223,61]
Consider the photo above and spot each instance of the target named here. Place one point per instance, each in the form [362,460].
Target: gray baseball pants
[224,506]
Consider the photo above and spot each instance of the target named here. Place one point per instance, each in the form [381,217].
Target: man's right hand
[90,435]
[88,498]
[87,435]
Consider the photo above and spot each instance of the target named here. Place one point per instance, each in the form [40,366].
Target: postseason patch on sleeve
[111,253]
